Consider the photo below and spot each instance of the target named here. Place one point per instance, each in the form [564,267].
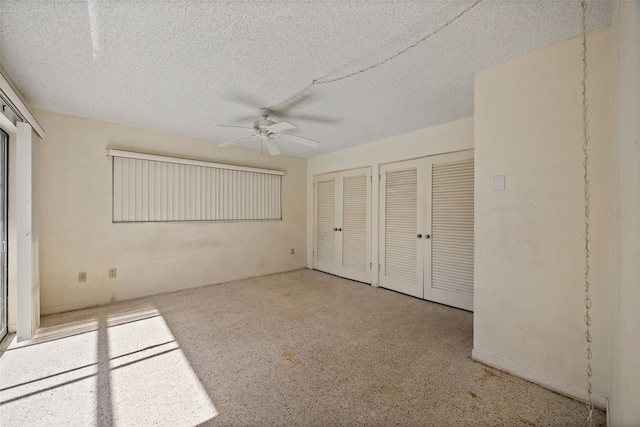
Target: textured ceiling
[186,66]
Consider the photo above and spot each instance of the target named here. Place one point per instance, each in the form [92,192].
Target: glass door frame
[4,244]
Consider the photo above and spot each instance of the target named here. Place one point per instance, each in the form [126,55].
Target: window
[150,188]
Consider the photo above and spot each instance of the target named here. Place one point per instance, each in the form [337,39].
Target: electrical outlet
[82,277]
[293,251]
[112,273]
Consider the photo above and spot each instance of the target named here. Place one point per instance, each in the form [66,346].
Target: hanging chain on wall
[587,203]
[324,80]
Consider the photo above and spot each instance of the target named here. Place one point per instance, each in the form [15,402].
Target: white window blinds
[149,188]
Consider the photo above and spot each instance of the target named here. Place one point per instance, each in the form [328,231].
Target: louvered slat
[326,211]
[401,204]
[354,222]
[150,191]
[452,227]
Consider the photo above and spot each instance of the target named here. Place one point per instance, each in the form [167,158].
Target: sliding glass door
[4,142]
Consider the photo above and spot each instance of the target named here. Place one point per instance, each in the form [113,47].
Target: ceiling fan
[268,130]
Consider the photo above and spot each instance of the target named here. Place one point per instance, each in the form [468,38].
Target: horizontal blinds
[401,210]
[354,222]
[452,227]
[160,191]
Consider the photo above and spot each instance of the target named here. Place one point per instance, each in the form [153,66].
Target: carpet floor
[298,348]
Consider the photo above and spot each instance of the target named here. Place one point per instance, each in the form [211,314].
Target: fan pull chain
[324,80]
[587,205]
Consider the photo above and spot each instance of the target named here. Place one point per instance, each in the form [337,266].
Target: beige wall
[77,233]
[529,261]
[453,136]
[625,335]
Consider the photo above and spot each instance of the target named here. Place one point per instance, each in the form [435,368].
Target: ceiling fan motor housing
[262,125]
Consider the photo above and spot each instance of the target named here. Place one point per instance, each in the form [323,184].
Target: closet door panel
[401,221]
[449,255]
[355,220]
[325,223]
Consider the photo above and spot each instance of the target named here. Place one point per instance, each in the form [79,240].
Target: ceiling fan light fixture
[268,129]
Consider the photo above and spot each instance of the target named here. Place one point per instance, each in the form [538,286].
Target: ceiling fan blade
[246,118]
[244,99]
[312,118]
[291,102]
[239,127]
[231,141]
[279,127]
[277,114]
[301,140]
[272,147]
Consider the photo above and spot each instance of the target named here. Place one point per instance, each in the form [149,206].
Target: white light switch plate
[498,182]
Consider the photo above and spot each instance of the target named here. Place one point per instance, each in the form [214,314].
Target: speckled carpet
[298,348]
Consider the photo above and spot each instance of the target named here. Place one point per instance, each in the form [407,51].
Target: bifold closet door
[449,221]
[401,221]
[342,224]
[325,236]
[426,228]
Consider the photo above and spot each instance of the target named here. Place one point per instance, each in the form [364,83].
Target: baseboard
[81,305]
[539,378]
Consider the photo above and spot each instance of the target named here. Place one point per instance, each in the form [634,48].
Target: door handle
[335,229]
[419,236]
[427,236]
[339,229]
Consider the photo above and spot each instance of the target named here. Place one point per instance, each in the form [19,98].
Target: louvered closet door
[355,224]
[401,220]
[325,223]
[449,251]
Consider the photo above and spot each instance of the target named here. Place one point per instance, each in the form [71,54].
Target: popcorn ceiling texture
[181,66]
